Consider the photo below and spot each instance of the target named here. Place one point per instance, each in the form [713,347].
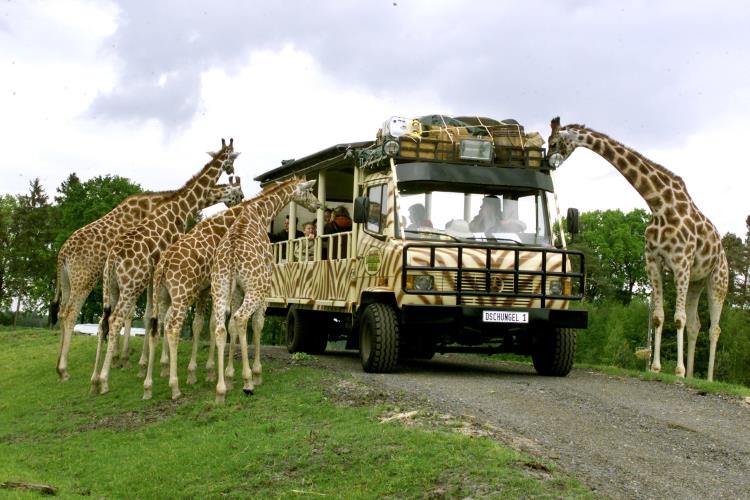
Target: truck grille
[492,275]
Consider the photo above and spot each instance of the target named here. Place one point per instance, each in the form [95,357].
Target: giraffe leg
[220,293]
[653,269]
[693,325]
[210,362]
[151,338]
[234,331]
[68,316]
[99,342]
[220,334]
[717,292]
[164,359]
[124,361]
[172,329]
[201,306]
[125,306]
[258,320]
[681,283]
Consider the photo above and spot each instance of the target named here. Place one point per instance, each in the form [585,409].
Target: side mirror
[361,209]
[572,220]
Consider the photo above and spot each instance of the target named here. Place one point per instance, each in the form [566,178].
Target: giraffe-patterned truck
[450,247]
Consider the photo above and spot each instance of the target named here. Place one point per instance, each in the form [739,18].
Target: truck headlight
[555,160]
[555,286]
[391,148]
[559,286]
[422,282]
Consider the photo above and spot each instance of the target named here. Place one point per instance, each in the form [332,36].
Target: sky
[142,89]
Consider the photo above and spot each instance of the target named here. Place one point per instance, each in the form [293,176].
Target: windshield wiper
[427,231]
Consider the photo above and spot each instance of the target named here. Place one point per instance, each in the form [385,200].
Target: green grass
[290,439]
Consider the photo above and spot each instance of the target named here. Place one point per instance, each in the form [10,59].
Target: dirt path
[625,438]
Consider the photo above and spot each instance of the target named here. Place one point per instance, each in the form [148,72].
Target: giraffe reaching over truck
[679,237]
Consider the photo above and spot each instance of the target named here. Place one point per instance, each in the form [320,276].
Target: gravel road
[624,438]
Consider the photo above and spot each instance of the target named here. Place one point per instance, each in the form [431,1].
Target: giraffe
[81,260]
[131,259]
[243,259]
[679,237]
[183,276]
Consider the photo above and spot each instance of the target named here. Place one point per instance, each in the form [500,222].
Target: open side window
[377,196]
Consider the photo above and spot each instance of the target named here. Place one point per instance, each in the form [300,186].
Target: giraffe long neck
[268,204]
[197,192]
[656,184]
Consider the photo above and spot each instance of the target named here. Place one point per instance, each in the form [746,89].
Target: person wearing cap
[488,216]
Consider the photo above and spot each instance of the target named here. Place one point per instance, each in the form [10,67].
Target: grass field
[292,439]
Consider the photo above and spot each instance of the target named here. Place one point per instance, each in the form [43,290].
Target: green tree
[32,259]
[80,203]
[8,207]
[613,244]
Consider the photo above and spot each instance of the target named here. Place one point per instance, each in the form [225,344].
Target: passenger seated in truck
[418,217]
[488,216]
[509,221]
[306,250]
[340,222]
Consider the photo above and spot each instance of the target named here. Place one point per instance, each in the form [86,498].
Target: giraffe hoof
[248,392]
[219,399]
[147,394]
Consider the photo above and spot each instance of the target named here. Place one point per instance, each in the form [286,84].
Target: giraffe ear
[232,156]
[212,154]
[304,186]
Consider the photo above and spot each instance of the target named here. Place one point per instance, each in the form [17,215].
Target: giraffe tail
[156,282]
[54,307]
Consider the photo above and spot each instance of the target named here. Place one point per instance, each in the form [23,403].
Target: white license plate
[505,317]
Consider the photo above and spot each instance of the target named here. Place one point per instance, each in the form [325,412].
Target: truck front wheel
[554,351]
[378,338]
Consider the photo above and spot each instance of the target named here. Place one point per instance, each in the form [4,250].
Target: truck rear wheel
[554,351]
[378,338]
[295,330]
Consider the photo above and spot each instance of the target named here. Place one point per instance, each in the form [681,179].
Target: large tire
[296,330]
[554,352]
[378,338]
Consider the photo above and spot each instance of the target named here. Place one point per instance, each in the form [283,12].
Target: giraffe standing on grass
[243,259]
[679,237]
[131,260]
[81,261]
[183,277]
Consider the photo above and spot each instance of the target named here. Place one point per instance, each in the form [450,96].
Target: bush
[616,331]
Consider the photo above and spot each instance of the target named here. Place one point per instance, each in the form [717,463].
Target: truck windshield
[505,217]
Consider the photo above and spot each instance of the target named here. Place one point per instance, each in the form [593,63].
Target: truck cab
[450,248]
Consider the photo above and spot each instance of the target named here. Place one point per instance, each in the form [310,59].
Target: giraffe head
[562,140]
[230,194]
[303,194]
[226,156]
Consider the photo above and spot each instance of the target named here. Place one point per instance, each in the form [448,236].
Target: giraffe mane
[640,156]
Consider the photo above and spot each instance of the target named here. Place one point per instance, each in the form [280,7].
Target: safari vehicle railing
[336,246]
[494,271]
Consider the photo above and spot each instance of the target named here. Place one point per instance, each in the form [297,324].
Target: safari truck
[450,247]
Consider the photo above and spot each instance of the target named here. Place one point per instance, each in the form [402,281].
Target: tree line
[33,228]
